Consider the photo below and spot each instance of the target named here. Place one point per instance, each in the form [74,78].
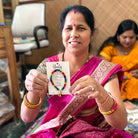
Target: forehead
[128,33]
[74,17]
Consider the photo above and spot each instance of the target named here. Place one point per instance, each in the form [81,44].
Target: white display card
[59,78]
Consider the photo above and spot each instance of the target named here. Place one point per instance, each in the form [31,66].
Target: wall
[108,14]
[53,10]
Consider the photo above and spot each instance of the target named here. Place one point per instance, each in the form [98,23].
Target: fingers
[81,90]
[78,84]
[38,75]
[36,81]
[86,85]
[31,86]
[134,73]
[83,85]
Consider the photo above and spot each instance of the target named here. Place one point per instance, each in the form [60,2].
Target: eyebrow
[75,25]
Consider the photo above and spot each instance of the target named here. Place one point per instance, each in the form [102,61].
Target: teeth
[73,42]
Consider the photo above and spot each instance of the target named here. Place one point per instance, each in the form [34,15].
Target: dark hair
[123,26]
[89,17]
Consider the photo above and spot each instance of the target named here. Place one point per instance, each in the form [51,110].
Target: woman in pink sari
[94,107]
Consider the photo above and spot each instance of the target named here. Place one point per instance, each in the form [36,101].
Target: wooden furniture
[6,11]
[1,13]
[13,5]
[31,1]
[7,52]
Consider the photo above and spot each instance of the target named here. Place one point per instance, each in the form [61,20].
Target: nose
[128,40]
[74,33]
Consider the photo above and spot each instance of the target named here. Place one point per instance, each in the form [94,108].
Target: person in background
[94,107]
[122,49]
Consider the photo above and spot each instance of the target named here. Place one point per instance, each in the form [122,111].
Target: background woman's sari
[129,63]
[63,108]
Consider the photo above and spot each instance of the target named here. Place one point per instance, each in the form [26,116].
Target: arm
[119,118]
[36,84]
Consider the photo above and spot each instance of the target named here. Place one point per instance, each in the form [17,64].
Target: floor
[15,128]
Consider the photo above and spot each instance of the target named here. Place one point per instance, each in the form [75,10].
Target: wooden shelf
[32,1]
[6,11]
[7,8]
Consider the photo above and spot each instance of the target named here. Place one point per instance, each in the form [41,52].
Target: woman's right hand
[37,85]
[36,81]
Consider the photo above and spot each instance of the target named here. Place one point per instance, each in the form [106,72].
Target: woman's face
[127,39]
[76,33]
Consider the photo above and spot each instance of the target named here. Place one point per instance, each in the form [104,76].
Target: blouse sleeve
[108,52]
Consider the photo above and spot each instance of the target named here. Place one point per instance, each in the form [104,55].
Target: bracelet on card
[31,106]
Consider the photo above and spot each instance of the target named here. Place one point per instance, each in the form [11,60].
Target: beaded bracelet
[65,81]
[112,110]
[31,106]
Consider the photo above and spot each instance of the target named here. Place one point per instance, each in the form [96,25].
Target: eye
[81,28]
[68,28]
[132,37]
[124,37]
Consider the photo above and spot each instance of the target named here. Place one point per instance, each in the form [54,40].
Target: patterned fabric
[132,126]
[129,63]
[63,108]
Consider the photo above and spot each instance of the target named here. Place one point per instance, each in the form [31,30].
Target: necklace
[85,61]
[72,72]
[65,80]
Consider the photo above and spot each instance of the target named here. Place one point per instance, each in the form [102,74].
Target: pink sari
[62,109]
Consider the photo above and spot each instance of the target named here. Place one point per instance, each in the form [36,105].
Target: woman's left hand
[134,73]
[87,84]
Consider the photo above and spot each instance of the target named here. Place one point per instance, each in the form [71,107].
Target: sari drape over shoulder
[129,63]
[63,108]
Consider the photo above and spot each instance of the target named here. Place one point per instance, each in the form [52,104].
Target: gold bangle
[31,106]
[112,110]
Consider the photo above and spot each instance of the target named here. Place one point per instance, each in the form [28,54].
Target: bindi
[75,11]
[74,24]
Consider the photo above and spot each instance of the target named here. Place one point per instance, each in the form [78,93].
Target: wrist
[112,110]
[30,105]
[106,103]
[102,98]
[33,98]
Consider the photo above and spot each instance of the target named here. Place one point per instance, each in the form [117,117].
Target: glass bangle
[112,110]
[31,106]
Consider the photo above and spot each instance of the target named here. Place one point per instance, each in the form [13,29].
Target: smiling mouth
[127,45]
[74,43]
